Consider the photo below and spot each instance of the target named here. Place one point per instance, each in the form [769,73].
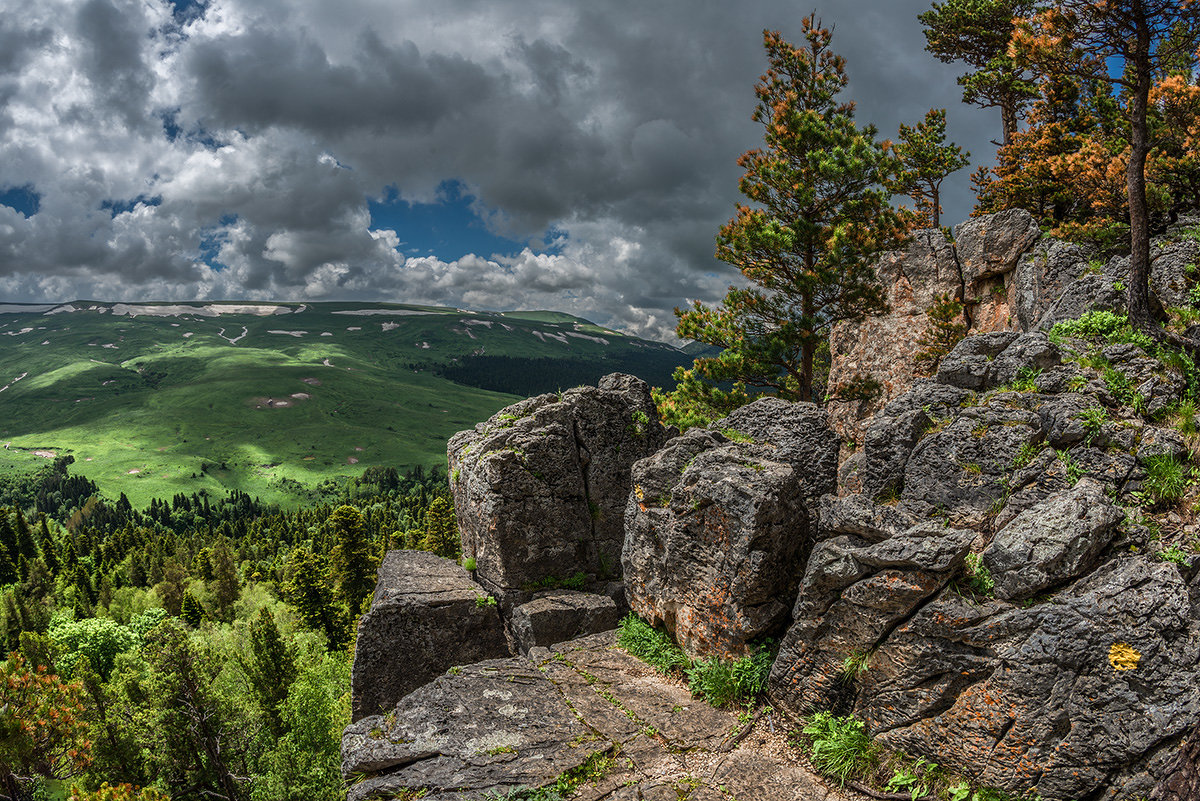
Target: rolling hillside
[152,399]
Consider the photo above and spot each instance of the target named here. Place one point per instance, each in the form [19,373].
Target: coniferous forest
[199,645]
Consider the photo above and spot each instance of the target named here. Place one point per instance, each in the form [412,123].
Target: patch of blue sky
[184,11]
[211,240]
[23,199]
[116,207]
[448,229]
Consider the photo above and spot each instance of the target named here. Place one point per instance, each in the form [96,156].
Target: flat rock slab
[484,730]
[425,616]
[562,615]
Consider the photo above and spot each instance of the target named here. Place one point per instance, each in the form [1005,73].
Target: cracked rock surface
[429,607]
[486,729]
[720,522]
[540,487]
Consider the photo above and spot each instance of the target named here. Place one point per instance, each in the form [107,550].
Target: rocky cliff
[998,574]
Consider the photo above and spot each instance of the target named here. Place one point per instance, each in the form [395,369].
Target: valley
[153,399]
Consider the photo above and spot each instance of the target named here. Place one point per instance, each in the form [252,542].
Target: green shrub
[979,578]
[841,748]
[723,683]
[469,563]
[1026,380]
[1173,554]
[1093,418]
[650,645]
[1113,327]
[1184,415]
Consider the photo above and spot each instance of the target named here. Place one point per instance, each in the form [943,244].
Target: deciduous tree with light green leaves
[925,161]
[817,218]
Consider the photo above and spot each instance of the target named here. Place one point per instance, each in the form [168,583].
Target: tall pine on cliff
[817,218]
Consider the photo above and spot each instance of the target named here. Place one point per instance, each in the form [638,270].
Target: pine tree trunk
[1008,117]
[1135,179]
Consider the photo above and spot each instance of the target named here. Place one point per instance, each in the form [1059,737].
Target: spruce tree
[818,218]
[271,668]
[353,569]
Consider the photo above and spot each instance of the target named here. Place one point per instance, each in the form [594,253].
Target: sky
[535,154]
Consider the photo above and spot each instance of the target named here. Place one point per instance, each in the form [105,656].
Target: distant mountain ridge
[273,397]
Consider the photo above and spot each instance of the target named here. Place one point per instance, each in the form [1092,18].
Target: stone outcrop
[1068,697]
[425,616]
[1181,776]
[559,615]
[719,524]
[483,731]
[1008,278]
[978,269]
[540,488]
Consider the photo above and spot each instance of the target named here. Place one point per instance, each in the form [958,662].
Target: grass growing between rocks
[719,682]
[841,749]
[595,768]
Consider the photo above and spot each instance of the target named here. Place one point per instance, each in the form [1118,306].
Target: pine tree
[353,570]
[224,584]
[47,547]
[819,217]
[191,612]
[306,590]
[271,668]
[977,32]
[1082,37]
[925,161]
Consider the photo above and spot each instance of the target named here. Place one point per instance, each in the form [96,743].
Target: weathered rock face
[719,524]
[1181,776]
[495,725]
[883,347]
[560,615]
[426,615]
[977,269]
[1074,697]
[540,488]
[1051,542]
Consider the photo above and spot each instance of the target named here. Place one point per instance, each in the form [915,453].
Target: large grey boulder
[1041,277]
[720,521]
[896,430]
[1052,542]
[1170,268]
[559,615]
[854,594]
[1084,696]
[425,616]
[540,488]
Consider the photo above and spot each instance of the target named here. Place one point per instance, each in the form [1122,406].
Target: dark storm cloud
[614,127]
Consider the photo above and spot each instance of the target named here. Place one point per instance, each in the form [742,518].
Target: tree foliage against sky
[925,162]
[1125,46]
[817,215]
[977,33]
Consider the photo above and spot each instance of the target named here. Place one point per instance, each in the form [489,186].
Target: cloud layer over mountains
[232,149]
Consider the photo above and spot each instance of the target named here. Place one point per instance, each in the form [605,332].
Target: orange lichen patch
[1123,656]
